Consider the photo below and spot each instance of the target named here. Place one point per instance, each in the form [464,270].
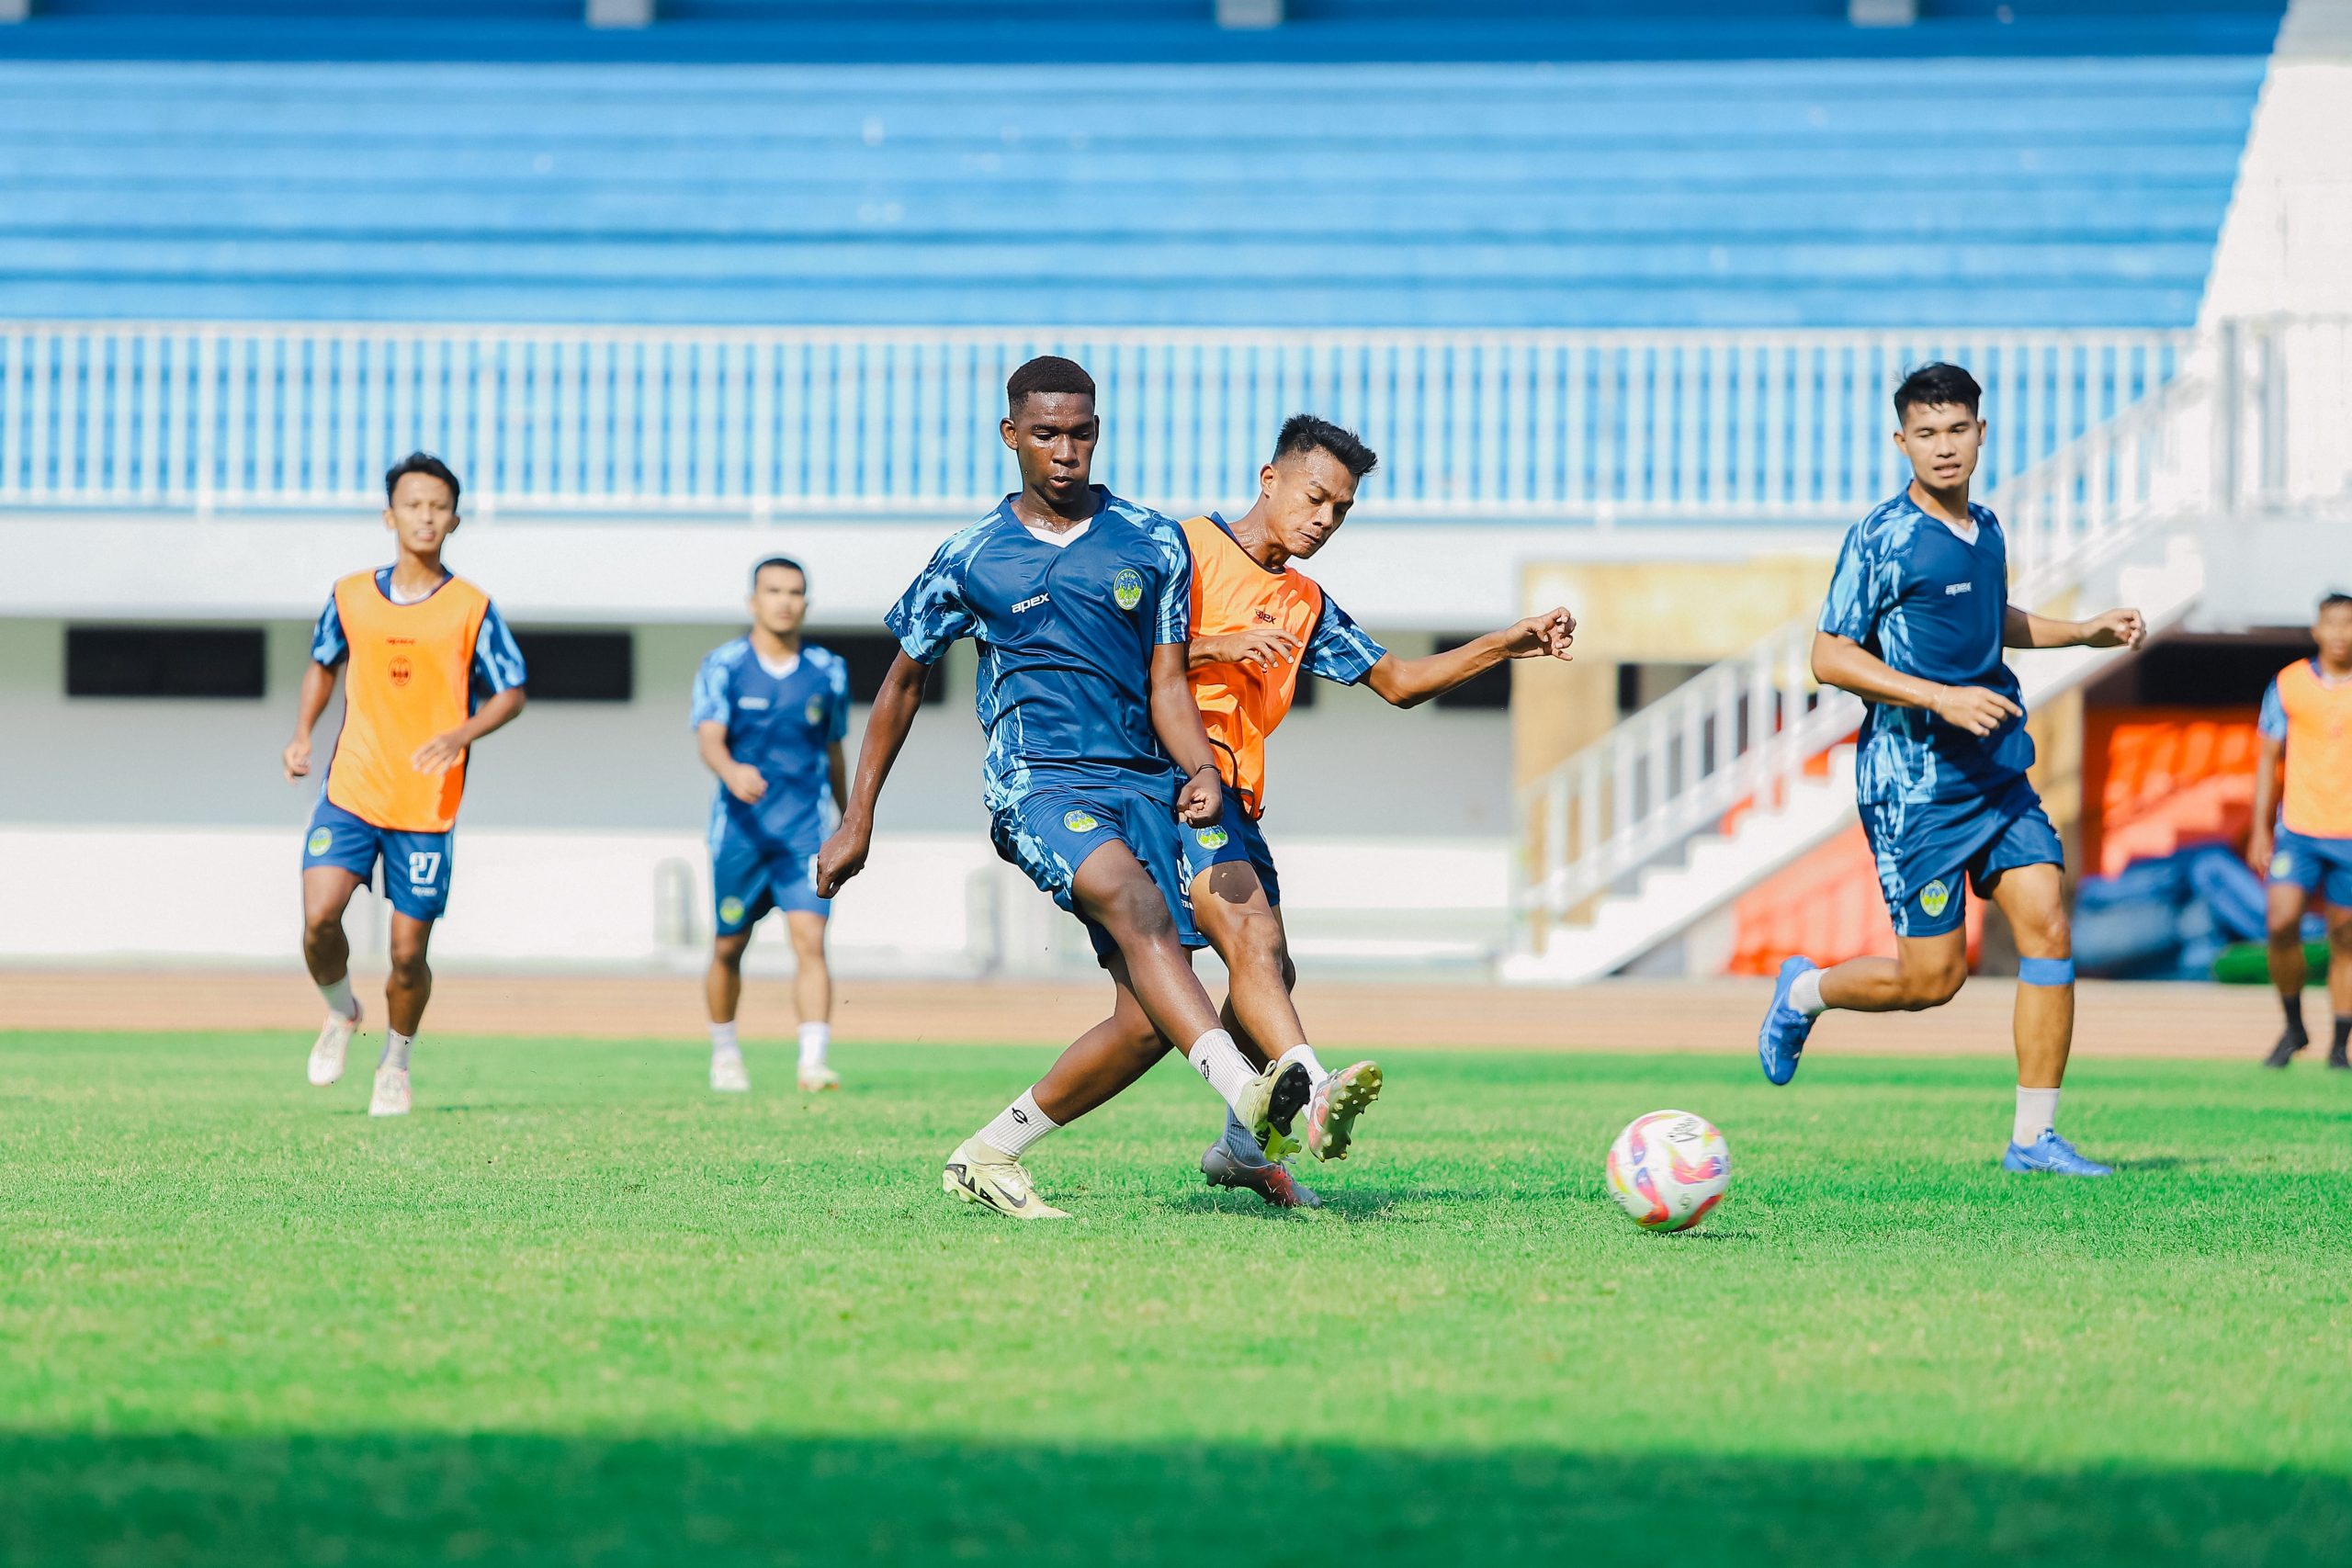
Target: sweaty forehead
[1055,407]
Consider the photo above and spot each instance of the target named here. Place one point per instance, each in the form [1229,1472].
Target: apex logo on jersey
[321,840]
[1031,602]
[1128,588]
[1079,822]
[730,910]
[1933,898]
[1212,838]
[1953,589]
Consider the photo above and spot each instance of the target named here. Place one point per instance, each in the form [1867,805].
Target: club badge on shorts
[321,840]
[1212,838]
[1933,899]
[1079,822]
[730,910]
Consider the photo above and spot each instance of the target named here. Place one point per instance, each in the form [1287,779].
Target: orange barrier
[2157,780]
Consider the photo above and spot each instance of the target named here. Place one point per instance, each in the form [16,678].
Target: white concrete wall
[2286,245]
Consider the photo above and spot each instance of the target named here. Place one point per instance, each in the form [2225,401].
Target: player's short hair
[1307,433]
[420,463]
[1046,374]
[1938,385]
[2334,601]
[766,561]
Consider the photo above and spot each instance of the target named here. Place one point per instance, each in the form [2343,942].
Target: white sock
[1805,994]
[340,1001]
[1304,1054]
[396,1046]
[814,1038]
[1216,1058]
[1016,1126]
[722,1040]
[2037,1114]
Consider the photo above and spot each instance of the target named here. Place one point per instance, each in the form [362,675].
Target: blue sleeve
[498,663]
[328,644]
[1859,590]
[2273,723]
[712,702]
[1173,616]
[1341,650]
[837,723]
[931,615]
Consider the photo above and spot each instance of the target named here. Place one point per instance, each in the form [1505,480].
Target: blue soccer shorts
[2321,867]
[1051,830]
[750,876]
[1930,853]
[416,866]
[1232,839]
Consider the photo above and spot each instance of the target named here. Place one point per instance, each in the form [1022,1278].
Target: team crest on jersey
[1933,899]
[815,712]
[730,910]
[399,670]
[1212,838]
[1128,588]
[1079,821]
[320,840]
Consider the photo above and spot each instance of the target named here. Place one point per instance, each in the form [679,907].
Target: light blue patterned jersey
[784,726]
[1930,605]
[1066,634]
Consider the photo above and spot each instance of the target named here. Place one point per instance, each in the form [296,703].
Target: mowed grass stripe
[236,1313]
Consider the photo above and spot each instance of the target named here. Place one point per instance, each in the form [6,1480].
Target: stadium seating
[1757,164]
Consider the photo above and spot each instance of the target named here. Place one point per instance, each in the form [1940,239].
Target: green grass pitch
[576,1310]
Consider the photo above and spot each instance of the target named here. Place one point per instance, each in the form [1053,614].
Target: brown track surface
[2116,1019]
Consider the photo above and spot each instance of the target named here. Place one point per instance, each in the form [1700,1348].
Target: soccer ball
[1667,1169]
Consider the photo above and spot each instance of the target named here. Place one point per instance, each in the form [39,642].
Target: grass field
[577,1311]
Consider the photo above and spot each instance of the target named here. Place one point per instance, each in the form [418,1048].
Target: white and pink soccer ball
[1667,1169]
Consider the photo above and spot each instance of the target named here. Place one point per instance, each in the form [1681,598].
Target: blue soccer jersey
[1931,604]
[1066,634]
[783,724]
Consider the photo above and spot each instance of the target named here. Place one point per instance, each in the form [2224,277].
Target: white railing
[1598,425]
[1747,729]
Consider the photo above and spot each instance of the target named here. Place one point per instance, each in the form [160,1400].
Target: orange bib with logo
[1241,704]
[411,667]
[2319,752]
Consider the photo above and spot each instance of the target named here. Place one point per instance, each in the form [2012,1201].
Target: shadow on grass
[368,1499]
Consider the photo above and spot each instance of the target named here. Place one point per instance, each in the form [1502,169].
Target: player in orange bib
[2306,723]
[433,670]
[1259,626]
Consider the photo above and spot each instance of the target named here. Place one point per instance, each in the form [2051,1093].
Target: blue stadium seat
[1605,163]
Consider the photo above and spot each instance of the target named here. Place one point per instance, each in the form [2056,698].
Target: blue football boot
[2053,1154]
[1781,1041]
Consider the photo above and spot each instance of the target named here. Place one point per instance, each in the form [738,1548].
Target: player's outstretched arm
[2116,628]
[318,688]
[741,780]
[1408,682]
[844,855]
[441,752]
[1841,661]
[1176,719]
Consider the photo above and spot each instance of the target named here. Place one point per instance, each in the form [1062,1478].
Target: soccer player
[769,714]
[433,670]
[1260,625]
[1917,616]
[1081,604]
[2307,715]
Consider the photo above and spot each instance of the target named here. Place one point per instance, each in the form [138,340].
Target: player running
[433,670]
[1917,616]
[769,714]
[1081,604]
[1259,625]
[2307,714]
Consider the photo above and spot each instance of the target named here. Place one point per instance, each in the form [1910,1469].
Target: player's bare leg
[1231,904]
[1113,890]
[406,991]
[2034,897]
[2289,970]
[326,893]
[1925,971]
[812,992]
[723,989]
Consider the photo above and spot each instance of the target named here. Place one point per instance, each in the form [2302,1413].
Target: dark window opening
[1489,691]
[579,667]
[868,656]
[165,661]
